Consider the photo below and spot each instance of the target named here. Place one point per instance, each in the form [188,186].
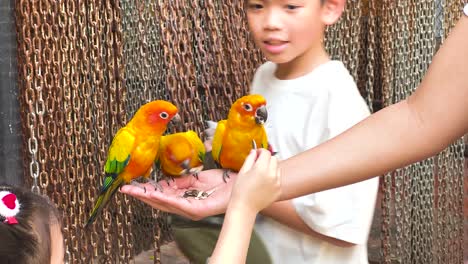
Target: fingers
[259,159]
[249,161]
[263,159]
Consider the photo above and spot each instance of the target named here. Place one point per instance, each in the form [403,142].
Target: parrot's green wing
[201,156]
[118,157]
[217,144]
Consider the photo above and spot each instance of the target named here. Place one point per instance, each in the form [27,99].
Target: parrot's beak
[176,120]
[261,115]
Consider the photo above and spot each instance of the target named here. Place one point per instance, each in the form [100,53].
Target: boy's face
[285,29]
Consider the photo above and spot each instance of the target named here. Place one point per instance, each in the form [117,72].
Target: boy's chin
[278,58]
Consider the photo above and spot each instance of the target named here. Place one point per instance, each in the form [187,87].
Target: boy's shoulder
[335,74]
[330,78]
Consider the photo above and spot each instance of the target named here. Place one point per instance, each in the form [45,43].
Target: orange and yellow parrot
[134,149]
[181,154]
[240,132]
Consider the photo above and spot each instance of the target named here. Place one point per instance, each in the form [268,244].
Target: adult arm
[409,131]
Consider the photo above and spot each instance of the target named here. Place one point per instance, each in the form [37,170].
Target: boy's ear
[332,10]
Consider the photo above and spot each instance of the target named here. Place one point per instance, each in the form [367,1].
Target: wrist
[241,207]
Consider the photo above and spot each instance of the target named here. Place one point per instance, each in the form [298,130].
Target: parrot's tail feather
[103,200]
[96,210]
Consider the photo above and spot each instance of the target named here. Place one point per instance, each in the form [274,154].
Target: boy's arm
[285,213]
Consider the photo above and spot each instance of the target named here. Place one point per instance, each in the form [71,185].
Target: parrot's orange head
[156,115]
[249,109]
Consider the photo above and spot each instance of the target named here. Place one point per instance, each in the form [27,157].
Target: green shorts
[197,240]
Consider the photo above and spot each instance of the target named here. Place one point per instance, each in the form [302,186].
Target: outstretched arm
[414,129]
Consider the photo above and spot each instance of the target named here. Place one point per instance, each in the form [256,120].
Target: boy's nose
[272,20]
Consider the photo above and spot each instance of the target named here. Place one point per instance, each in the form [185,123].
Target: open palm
[171,198]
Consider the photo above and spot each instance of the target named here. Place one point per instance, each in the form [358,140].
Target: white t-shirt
[303,113]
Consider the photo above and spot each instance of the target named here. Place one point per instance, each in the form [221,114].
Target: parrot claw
[168,179]
[226,175]
[139,185]
[187,170]
[156,185]
[195,171]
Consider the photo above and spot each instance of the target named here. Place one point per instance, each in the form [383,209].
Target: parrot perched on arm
[181,154]
[134,149]
[235,136]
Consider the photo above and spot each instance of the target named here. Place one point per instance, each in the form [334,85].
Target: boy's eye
[255,6]
[291,7]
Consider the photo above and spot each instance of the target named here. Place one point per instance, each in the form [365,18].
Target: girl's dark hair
[29,241]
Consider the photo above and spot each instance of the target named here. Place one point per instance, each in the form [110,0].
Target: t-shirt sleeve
[345,110]
[344,213]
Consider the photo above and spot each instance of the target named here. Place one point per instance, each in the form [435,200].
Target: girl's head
[30,228]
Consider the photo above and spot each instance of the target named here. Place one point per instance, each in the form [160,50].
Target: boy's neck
[303,64]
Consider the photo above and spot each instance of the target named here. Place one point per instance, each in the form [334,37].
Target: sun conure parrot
[233,138]
[134,149]
[181,154]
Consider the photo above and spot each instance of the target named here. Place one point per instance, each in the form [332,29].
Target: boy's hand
[258,183]
[170,199]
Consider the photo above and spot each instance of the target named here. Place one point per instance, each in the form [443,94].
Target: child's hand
[258,183]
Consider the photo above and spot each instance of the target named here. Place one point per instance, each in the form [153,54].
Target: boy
[310,99]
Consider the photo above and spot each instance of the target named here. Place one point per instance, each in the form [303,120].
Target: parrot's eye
[164,115]
[247,107]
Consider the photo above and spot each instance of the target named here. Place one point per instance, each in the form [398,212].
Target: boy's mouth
[275,46]
[274,41]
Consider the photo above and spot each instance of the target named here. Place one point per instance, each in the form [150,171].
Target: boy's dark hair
[28,241]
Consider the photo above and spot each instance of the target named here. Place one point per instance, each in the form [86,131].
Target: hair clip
[465,9]
[9,207]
